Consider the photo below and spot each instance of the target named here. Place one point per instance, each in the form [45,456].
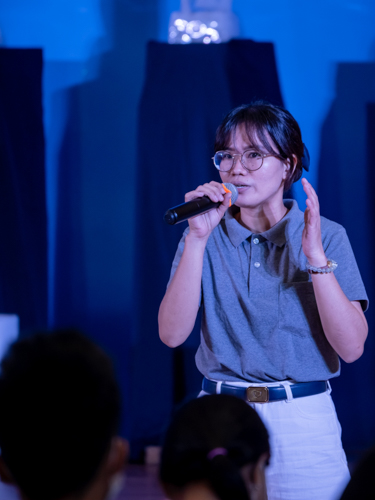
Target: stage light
[203,21]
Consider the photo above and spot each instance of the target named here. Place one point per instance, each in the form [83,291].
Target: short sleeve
[337,247]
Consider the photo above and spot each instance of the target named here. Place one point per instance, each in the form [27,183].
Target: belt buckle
[257,394]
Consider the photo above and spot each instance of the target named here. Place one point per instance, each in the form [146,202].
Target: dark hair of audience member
[211,439]
[60,408]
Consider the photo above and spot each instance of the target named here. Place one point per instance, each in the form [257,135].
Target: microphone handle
[182,212]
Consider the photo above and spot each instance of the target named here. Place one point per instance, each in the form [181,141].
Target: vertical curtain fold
[23,219]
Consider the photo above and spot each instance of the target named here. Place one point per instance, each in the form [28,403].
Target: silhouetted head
[218,441]
[60,410]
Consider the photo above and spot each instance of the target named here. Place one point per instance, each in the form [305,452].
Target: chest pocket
[298,312]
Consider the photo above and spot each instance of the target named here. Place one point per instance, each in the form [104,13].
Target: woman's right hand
[179,308]
[202,225]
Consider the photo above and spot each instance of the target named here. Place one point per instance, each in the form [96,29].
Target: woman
[277,310]
[216,448]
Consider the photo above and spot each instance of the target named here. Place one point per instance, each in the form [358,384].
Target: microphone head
[232,188]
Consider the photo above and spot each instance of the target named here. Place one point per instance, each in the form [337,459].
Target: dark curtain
[187,92]
[346,193]
[23,222]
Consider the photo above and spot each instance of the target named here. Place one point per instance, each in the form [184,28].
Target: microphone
[182,212]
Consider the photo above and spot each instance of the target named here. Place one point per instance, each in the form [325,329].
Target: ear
[258,471]
[118,455]
[254,477]
[172,492]
[288,169]
[5,475]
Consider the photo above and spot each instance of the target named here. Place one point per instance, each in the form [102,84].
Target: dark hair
[262,121]
[203,425]
[60,408]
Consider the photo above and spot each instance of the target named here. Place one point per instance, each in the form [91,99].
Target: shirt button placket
[255,262]
[256,242]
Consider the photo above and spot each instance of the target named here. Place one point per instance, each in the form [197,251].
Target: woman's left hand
[311,236]
[343,322]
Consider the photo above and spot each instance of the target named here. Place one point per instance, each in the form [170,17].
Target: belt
[265,394]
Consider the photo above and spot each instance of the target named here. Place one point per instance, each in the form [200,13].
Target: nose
[237,166]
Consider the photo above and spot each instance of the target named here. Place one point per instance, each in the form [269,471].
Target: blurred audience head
[60,411]
[216,447]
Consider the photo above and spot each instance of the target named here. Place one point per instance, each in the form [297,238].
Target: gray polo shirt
[260,321]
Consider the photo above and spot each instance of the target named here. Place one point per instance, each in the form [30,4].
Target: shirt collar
[276,234]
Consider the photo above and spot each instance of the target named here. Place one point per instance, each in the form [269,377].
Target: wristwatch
[331,266]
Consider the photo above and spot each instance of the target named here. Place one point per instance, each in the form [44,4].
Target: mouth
[241,187]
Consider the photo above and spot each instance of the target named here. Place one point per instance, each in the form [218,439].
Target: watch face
[332,264]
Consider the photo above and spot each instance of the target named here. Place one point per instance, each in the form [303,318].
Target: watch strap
[329,268]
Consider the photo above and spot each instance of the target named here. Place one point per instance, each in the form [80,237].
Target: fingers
[225,204]
[312,201]
[214,190]
[310,191]
[203,224]
[311,236]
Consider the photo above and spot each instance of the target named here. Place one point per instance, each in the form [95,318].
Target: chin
[247,203]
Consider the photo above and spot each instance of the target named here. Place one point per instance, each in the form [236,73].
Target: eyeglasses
[250,159]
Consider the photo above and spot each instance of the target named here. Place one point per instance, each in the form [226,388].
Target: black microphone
[182,212]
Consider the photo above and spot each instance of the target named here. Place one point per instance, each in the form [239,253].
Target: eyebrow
[250,146]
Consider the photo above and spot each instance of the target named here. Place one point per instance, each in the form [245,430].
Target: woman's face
[257,188]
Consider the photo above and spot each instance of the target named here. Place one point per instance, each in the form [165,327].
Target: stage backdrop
[187,92]
[346,193]
[23,221]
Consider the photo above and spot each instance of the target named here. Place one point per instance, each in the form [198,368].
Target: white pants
[307,458]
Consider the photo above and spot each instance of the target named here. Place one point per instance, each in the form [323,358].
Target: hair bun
[305,158]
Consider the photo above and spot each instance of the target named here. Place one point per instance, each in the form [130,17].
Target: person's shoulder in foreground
[216,447]
[60,411]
